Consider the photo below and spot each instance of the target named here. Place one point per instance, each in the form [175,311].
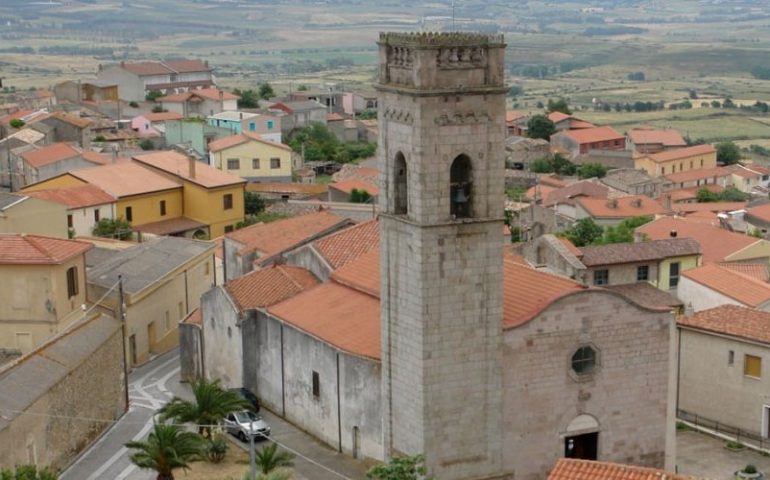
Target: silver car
[244,422]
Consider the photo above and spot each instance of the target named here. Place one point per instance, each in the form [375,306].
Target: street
[150,387]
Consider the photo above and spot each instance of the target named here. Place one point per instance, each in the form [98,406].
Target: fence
[750,439]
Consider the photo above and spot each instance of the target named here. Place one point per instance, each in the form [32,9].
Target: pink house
[143,127]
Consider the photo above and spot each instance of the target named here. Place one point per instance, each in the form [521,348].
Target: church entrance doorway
[583,446]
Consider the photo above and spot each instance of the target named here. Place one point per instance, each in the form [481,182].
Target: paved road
[150,387]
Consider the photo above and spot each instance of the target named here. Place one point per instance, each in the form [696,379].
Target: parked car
[246,422]
[249,396]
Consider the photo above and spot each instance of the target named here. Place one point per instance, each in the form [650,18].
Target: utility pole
[122,318]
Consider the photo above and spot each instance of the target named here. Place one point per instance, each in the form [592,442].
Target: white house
[136,79]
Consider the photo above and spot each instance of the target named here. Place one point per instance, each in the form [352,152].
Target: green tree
[584,232]
[591,170]
[158,109]
[302,88]
[732,194]
[704,195]
[400,468]
[253,203]
[319,142]
[153,95]
[16,123]
[269,459]
[624,231]
[728,153]
[515,91]
[541,165]
[117,228]
[249,98]
[167,448]
[540,126]
[266,91]
[211,404]
[562,166]
[359,196]
[559,105]
[147,144]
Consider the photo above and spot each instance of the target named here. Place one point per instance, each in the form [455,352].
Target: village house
[262,124]
[193,135]
[342,191]
[298,114]
[716,176]
[521,151]
[85,206]
[163,280]
[679,160]
[46,162]
[203,102]
[345,129]
[634,182]
[747,179]
[45,288]
[81,91]
[136,79]
[563,200]
[582,141]
[516,123]
[328,97]
[611,211]
[252,157]
[273,192]
[652,140]
[563,121]
[67,128]
[730,343]
[713,285]
[359,101]
[22,213]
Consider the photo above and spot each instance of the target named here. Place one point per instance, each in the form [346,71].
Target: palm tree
[167,448]
[212,403]
[268,459]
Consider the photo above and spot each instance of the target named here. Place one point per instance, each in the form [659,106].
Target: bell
[460,196]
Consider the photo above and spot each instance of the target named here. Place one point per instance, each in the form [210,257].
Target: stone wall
[190,352]
[223,349]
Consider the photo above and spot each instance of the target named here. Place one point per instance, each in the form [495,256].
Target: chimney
[672,234]
[191,161]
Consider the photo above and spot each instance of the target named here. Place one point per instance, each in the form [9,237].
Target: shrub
[153,95]
[113,228]
[216,449]
[749,469]
[100,138]
[359,196]
[17,123]
[732,444]
[133,104]
[146,144]
[27,472]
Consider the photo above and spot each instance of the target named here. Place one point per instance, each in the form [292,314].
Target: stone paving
[706,457]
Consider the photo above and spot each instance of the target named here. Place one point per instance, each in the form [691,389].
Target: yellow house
[252,157]
[678,160]
[163,280]
[210,197]
[43,282]
[23,214]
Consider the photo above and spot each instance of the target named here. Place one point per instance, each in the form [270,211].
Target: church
[420,332]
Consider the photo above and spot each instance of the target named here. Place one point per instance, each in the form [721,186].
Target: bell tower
[442,133]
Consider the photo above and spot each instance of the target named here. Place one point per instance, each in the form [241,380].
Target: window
[270,124]
[275,163]
[255,163]
[601,277]
[400,203]
[206,269]
[129,214]
[642,273]
[227,201]
[673,275]
[69,221]
[252,126]
[316,385]
[690,164]
[166,321]
[72,282]
[233,164]
[731,358]
[180,309]
[460,187]
[752,366]
[662,170]
[701,162]
[162,208]
[673,168]
[228,228]
[96,215]
[584,360]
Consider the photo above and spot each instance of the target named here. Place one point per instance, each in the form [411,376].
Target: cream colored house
[43,290]
[86,205]
[20,213]
[252,157]
[163,280]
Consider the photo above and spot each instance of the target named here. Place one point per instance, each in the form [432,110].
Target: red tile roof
[194,318]
[761,212]
[74,197]
[241,138]
[681,153]
[170,226]
[742,288]
[512,115]
[169,66]
[551,181]
[651,250]
[334,117]
[571,247]
[163,116]
[716,243]
[731,320]
[347,186]
[178,164]
[592,135]
[576,469]
[362,274]
[557,117]
[71,119]
[698,174]
[539,191]
[95,157]
[49,154]
[624,207]
[21,249]
[714,207]
[306,188]
[570,193]
[125,179]
[5,119]
[747,171]
[647,136]
[757,271]
[342,247]
[211,93]
[262,288]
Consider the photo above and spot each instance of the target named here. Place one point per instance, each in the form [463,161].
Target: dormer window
[460,183]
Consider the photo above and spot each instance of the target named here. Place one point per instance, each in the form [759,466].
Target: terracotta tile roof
[342,247]
[557,117]
[74,197]
[21,249]
[266,287]
[95,157]
[49,154]
[125,179]
[194,318]
[361,274]
[271,238]
[714,207]
[576,124]
[241,138]
[170,226]
[651,250]
[576,469]
[306,188]
[747,172]
[539,191]
[513,115]
[742,288]
[570,193]
[683,194]
[646,136]
[211,93]
[592,135]
[571,247]
[337,315]
[716,243]
[698,174]
[757,271]
[731,320]
[347,186]
[645,294]
[5,119]
[169,66]
[680,153]
[178,164]
[761,212]
[163,116]
[624,207]
[72,119]
[334,117]
[551,181]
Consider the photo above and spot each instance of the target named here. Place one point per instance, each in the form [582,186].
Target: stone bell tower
[442,132]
